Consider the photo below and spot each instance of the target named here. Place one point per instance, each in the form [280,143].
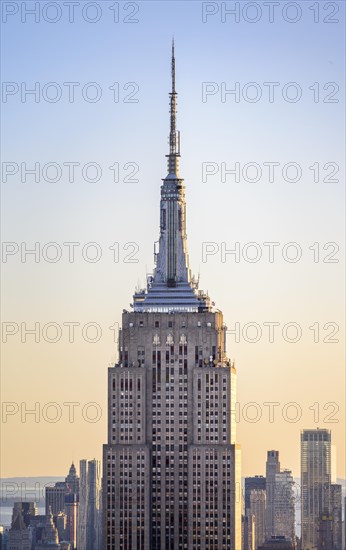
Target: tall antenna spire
[172,287]
[173,67]
[174,136]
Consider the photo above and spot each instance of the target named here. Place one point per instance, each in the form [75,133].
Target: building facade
[72,480]
[251,483]
[283,505]
[258,510]
[272,468]
[315,485]
[171,468]
[278,543]
[62,500]
[28,510]
[18,535]
[254,483]
[335,509]
[55,495]
[71,513]
[89,516]
[248,532]
[49,539]
[60,521]
[55,498]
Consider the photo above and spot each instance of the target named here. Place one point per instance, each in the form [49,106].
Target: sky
[96,130]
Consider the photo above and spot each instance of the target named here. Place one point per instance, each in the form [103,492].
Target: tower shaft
[171,467]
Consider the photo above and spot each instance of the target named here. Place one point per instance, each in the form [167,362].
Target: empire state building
[171,467]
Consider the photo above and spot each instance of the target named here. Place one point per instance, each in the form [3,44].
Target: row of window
[183,324]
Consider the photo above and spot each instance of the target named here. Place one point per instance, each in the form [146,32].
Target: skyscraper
[248,532]
[325,532]
[255,483]
[283,505]
[55,498]
[257,509]
[272,468]
[71,504]
[315,484]
[72,480]
[251,483]
[63,498]
[171,468]
[71,511]
[88,528]
[335,508]
[280,511]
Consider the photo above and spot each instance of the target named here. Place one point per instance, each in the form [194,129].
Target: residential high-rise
[315,484]
[283,505]
[258,509]
[88,526]
[272,468]
[171,468]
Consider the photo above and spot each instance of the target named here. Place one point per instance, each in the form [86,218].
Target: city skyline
[254,491]
[235,292]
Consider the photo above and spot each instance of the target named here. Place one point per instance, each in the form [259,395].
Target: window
[140,355]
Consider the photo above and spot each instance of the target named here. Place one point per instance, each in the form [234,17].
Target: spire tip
[174,140]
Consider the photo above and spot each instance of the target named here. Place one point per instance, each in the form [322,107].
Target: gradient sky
[105,132]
